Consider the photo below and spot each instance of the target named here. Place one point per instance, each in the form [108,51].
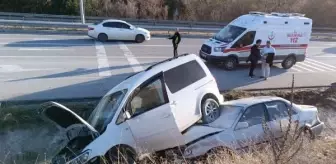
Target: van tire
[230,63]
[139,38]
[121,154]
[102,37]
[288,62]
[210,109]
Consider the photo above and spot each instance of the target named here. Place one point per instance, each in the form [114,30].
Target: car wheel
[288,62]
[102,37]
[139,38]
[230,63]
[122,155]
[210,110]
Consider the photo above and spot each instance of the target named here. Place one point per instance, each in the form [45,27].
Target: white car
[147,112]
[241,122]
[112,29]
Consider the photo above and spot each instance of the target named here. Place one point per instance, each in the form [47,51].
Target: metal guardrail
[141,22]
[79,26]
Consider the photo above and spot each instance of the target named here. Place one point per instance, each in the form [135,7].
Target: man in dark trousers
[254,57]
[176,39]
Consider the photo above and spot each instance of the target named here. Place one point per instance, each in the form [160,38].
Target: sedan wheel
[102,37]
[139,38]
[210,110]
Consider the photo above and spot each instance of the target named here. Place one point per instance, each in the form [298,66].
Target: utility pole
[81,6]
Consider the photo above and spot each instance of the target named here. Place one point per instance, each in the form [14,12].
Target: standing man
[254,57]
[268,53]
[176,39]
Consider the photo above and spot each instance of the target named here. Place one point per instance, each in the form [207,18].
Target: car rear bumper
[317,128]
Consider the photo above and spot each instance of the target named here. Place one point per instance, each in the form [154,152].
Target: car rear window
[183,75]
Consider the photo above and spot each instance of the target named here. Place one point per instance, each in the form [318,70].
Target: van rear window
[183,75]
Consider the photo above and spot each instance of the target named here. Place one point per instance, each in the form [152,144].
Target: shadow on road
[228,80]
[81,71]
[62,43]
[331,50]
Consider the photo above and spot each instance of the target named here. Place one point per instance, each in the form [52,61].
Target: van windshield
[229,33]
[105,110]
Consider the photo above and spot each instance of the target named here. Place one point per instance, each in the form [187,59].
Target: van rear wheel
[288,62]
[210,110]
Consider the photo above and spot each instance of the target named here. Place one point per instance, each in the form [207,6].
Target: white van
[150,111]
[289,35]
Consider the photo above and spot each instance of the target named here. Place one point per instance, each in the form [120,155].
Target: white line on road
[89,57]
[130,57]
[327,65]
[41,49]
[319,65]
[102,59]
[296,65]
[324,56]
[306,65]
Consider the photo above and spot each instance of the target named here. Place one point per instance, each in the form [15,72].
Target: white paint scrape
[102,59]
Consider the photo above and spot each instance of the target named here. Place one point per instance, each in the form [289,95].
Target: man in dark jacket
[176,39]
[254,57]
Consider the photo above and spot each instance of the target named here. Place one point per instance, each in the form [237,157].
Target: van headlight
[219,49]
[82,158]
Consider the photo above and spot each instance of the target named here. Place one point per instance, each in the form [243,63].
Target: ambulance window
[246,40]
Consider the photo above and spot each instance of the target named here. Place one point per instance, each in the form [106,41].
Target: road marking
[306,65]
[102,59]
[296,65]
[295,69]
[320,66]
[162,45]
[17,68]
[89,57]
[130,57]
[324,56]
[327,65]
[41,49]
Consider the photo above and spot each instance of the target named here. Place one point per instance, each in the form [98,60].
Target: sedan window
[254,115]
[277,110]
[110,24]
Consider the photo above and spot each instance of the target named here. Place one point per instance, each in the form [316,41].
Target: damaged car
[242,123]
[149,111]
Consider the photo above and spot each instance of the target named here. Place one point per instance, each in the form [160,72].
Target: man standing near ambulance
[254,57]
[268,53]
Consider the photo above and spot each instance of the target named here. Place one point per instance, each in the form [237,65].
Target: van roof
[260,18]
[136,79]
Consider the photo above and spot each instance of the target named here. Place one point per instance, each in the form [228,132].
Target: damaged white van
[289,34]
[147,112]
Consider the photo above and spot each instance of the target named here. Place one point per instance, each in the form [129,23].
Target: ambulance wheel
[230,63]
[288,62]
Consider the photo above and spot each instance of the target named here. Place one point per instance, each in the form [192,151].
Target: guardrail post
[81,6]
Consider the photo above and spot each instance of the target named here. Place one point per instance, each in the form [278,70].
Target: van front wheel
[230,63]
[120,154]
[288,62]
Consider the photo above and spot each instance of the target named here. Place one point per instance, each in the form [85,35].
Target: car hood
[73,132]
[215,43]
[142,30]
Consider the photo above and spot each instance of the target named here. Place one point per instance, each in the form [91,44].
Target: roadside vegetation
[17,121]
[321,11]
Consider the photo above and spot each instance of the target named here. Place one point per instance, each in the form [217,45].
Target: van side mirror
[242,125]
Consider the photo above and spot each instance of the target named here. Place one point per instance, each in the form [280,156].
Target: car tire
[230,63]
[121,154]
[139,38]
[288,62]
[102,37]
[210,110]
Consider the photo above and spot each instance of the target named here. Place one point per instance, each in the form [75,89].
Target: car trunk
[75,132]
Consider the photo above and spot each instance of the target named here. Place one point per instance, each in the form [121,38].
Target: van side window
[183,75]
[149,97]
[245,40]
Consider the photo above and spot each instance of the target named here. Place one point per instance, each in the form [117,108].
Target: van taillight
[90,28]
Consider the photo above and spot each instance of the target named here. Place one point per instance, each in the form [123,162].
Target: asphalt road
[58,66]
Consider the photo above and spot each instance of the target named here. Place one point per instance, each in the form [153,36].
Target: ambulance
[289,34]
